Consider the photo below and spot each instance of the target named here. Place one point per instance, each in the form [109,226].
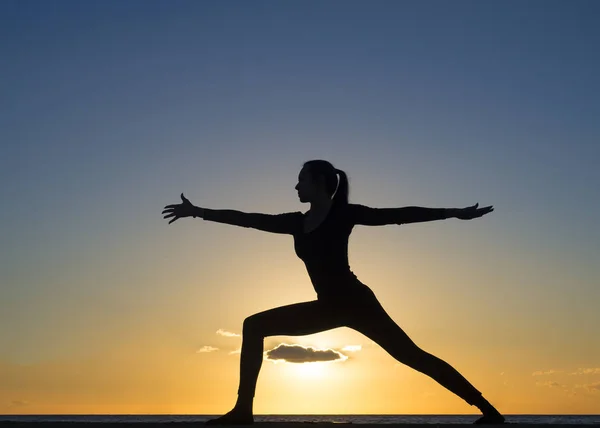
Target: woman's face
[307,188]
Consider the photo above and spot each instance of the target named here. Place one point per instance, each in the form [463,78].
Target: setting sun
[310,370]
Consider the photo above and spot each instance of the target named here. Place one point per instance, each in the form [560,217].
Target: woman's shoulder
[346,211]
[348,208]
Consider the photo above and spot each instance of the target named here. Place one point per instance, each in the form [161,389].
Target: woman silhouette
[321,241]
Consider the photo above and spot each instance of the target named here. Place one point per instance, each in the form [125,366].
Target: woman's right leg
[373,321]
[292,320]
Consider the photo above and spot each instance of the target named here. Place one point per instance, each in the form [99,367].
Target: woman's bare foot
[491,419]
[491,416]
[233,417]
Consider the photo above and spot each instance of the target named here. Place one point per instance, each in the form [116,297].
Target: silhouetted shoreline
[11,424]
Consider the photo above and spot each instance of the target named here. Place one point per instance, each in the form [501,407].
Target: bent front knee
[251,327]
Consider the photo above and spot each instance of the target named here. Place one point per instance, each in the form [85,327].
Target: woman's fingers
[171,208]
[474,212]
[174,210]
[485,210]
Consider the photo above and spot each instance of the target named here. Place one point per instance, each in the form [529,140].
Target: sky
[110,110]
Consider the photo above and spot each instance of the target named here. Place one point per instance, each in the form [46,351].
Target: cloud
[578,372]
[587,371]
[593,387]
[301,354]
[352,348]
[545,373]
[19,403]
[237,351]
[226,333]
[206,349]
[551,384]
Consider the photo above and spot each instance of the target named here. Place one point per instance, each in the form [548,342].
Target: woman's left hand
[472,212]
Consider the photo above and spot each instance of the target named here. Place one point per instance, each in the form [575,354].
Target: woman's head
[318,179]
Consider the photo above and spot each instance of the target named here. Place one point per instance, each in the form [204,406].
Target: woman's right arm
[286,223]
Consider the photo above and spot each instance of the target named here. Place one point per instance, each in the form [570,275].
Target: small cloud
[545,373]
[587,371]
[19,403]
[501,373]
[226,333]
[301,354]
[593,387]
[551,384]
[237,351]
[206,349]
[352,348]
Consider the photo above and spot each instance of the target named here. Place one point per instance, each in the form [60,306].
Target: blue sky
[497,100]
[110,109]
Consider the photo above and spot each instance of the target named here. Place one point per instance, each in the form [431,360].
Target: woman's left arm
[381,216]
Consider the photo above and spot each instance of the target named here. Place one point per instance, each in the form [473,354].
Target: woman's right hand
[177,211]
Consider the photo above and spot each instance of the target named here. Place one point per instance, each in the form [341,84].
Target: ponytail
[341,194]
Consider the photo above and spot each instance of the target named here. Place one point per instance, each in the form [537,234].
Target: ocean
[355,419]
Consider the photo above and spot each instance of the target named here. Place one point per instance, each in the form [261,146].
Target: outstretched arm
[382,216]
[275,223]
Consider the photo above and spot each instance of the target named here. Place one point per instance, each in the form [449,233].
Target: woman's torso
[324,251]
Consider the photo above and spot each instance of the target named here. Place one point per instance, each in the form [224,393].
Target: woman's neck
[320,205]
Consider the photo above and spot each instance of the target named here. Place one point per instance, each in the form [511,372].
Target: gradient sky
[109,110]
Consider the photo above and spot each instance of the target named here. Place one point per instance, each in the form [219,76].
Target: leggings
[361,312]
